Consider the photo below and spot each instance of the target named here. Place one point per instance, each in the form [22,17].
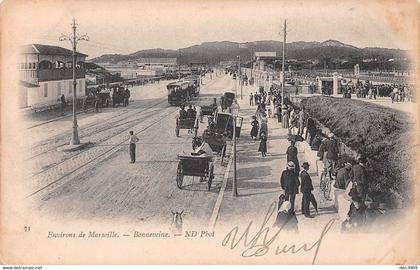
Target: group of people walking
[296,179]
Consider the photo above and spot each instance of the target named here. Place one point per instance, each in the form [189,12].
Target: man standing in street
[306,189]
[251,99]
[133,141]
[289,182]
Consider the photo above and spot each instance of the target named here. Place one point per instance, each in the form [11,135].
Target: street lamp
[74,39]
[237,123]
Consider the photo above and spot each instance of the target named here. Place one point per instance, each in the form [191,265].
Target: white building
[46,72]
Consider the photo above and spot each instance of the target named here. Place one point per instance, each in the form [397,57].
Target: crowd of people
[397,92]
[347,175]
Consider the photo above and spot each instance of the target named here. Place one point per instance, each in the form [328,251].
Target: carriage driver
[203,149]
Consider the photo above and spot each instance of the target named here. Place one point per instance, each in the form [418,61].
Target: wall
[36,95]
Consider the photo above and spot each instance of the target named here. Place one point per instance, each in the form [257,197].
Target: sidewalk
[258,178]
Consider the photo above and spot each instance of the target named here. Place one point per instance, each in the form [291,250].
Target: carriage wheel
[211,176]
[177,128]
[322,181]
[223,153]
[179,176]
[327,187]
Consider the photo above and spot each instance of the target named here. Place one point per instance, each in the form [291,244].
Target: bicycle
[327,176]
[325,184]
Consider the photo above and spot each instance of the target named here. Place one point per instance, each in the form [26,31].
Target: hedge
[381,134]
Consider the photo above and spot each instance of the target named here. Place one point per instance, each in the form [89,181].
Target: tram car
[196,81]
[180,92]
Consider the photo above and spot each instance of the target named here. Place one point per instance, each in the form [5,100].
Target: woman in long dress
[263,145]
[285,118]
[255,127]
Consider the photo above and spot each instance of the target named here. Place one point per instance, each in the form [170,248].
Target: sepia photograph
[209,132]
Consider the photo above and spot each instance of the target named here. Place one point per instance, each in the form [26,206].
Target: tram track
[93,129]
[92,156]
[96,158]
[106,125]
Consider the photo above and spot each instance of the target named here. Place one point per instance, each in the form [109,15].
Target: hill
[330,51]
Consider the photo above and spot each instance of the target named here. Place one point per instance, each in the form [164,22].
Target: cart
[224,124]
[208,110]
[217,143]
[189,165]
[187,123]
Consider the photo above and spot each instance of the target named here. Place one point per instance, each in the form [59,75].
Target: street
[99,182]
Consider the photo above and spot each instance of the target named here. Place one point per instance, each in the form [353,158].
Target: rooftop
[47,50]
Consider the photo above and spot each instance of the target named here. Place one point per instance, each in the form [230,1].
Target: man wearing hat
[330,146]
[306,189]
[358,176]
[342,178]
[289,182]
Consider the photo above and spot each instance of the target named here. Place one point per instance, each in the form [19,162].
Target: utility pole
[74,39]
[240,74]
[283,64]
[179,64]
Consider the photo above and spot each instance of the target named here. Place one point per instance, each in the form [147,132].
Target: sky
[128,26]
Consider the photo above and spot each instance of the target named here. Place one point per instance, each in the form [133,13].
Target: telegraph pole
[240,74]
[283,64]
[74,39]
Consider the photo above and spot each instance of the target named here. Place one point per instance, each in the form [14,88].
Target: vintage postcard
[209,132]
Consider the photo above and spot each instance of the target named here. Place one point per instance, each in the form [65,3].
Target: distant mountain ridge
[214,52]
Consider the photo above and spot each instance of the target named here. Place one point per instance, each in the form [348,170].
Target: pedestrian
[356,217]
[251,99]
[330,146]
[278,113]
[293,121]
[310,130]
[286,218]
[358,176]
[285,117]
[255,127]
[63,104]
[342,178]
[264,125]
[289,182]
[263,145]
[133,140]
[306,189]
[301,122]
[292,153]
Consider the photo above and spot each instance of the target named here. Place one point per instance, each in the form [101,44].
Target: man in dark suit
[358,176]
[306,189]
[289,182]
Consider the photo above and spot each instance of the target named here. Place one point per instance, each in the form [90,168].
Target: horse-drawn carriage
[186,123]
[190,165]
[217,143]
[97,99]
[120,97]
[227,100]
[208,110]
